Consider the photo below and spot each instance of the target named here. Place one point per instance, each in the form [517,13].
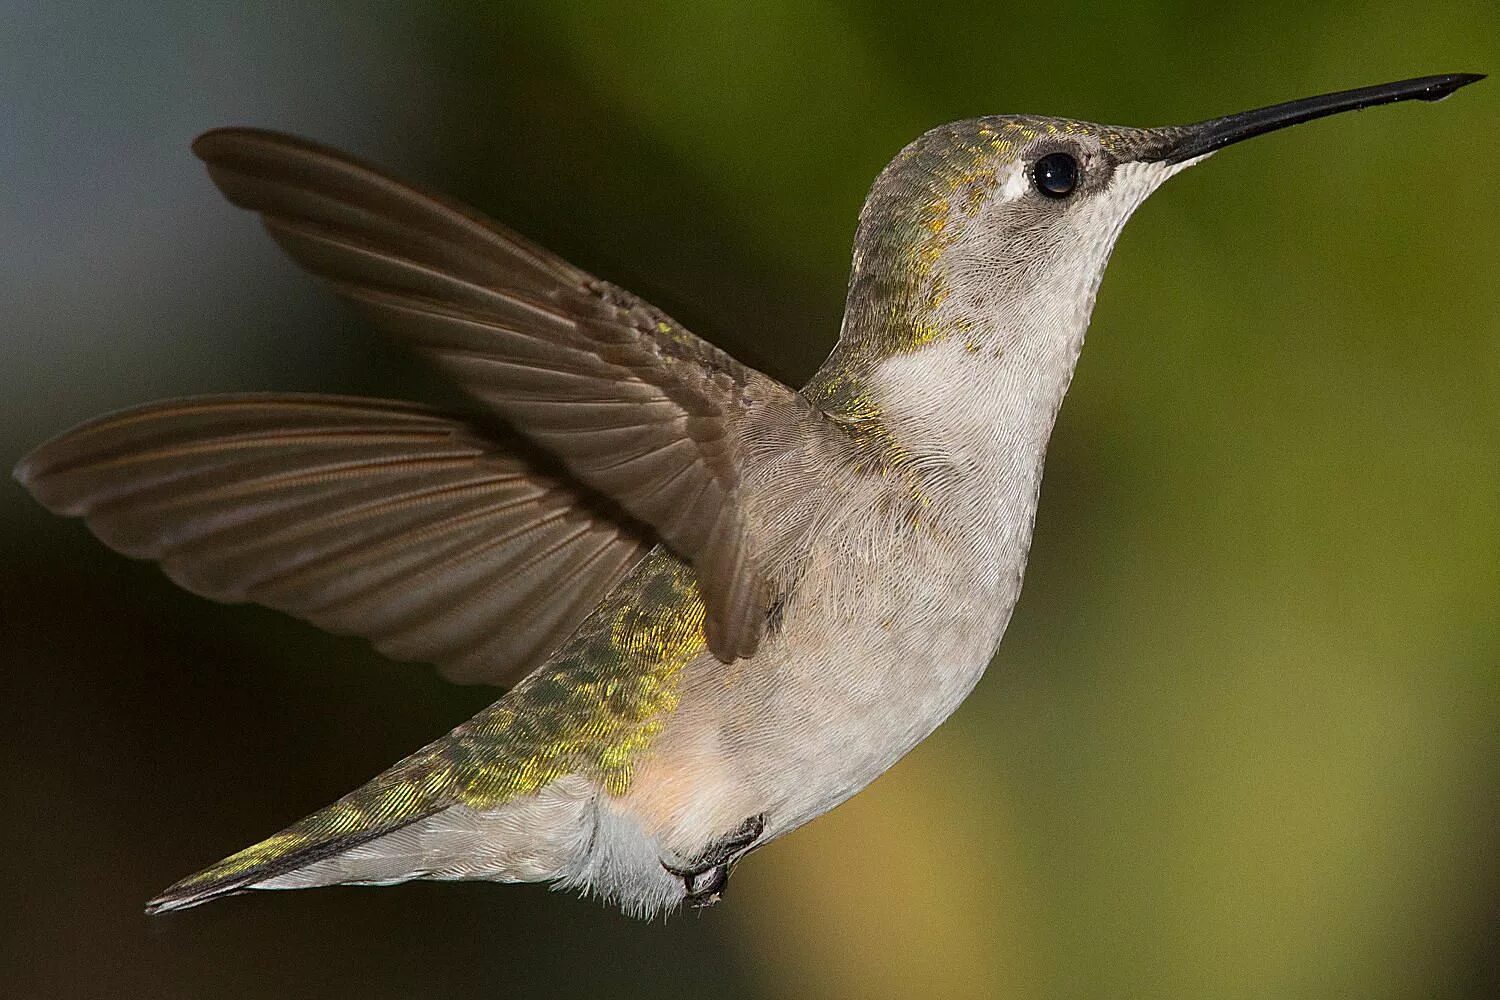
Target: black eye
[1055,175]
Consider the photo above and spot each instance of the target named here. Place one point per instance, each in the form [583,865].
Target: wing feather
[430,537]
[630,403]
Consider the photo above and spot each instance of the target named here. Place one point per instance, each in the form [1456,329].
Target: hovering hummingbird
[721,606]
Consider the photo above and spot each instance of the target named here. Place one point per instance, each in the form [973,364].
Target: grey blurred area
[1244,737]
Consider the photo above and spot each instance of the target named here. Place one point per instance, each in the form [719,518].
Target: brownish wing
[432,538]
[628,401]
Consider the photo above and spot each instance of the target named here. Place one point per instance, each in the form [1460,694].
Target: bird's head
[994,232]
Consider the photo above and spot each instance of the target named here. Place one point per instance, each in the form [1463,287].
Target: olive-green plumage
[590,712]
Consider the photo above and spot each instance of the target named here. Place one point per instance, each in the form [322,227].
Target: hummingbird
[719,606]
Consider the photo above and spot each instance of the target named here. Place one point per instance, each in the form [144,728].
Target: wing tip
[24,471]
[31,472]
[33,467]
[219,143]
[210,146]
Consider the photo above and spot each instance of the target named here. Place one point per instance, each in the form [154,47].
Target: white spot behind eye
[1015,181]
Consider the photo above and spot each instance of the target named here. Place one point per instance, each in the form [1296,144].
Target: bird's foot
[705,876]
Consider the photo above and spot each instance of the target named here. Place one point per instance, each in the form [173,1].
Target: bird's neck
[979,416]
[962,416]
[954,369]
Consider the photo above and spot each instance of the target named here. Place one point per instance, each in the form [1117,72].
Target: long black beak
[1185,142]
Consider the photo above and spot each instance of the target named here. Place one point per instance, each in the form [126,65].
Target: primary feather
[437,540]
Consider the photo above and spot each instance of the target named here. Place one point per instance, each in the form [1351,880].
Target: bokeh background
[1243,739]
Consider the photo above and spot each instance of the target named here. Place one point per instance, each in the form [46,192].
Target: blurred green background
[1243,739]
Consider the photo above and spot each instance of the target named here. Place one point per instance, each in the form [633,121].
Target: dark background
[1244,735]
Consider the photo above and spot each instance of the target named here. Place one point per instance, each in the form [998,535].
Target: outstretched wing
[432,538]
[630,403]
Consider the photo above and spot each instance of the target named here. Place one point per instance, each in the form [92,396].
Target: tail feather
[546,836]
[401,796]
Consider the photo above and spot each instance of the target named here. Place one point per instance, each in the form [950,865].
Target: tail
[408,793]
[413,822]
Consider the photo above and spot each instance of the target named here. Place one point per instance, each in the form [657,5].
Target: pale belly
[888,631]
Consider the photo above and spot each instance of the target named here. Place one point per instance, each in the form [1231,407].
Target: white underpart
[458,842]
[567,834]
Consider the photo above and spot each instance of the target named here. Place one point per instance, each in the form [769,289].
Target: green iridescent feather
[592,710]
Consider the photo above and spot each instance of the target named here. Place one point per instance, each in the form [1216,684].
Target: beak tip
[1443,86]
